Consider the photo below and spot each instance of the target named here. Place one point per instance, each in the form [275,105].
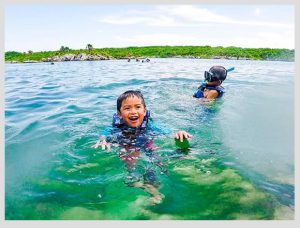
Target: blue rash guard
[199,92]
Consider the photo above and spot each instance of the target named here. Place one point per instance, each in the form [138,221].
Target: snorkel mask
[210,77]
[216,73]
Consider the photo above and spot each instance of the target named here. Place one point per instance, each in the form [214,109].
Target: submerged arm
[107,136]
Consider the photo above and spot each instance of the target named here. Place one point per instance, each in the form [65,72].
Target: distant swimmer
[211,87]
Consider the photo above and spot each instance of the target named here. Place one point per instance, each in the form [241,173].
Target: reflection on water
[240,164]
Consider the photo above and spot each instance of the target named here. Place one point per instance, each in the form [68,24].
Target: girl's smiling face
[132,111]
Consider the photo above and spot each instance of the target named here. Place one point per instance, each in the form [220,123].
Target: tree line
[206,52]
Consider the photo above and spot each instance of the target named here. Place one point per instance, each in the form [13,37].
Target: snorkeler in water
[211,88]
[131,131]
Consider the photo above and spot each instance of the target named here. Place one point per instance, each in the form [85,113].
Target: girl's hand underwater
[182,135]
[102,142]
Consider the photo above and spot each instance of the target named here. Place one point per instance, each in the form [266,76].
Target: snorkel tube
[230,69]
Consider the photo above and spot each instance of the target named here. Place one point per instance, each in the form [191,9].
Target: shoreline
[140,59]
[129,53]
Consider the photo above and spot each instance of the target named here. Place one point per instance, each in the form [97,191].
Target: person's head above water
[215,74]
[131,108]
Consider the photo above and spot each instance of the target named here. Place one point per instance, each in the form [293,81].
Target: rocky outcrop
[73,57]
[11,62]
[30,61]
[231,58]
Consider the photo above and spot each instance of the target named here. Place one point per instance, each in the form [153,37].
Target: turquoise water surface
[240,164]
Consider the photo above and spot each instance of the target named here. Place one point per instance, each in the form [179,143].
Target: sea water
[240,164]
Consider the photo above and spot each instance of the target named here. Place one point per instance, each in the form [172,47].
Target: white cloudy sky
[48,27]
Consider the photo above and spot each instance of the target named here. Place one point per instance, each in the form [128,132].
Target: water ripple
[53,114]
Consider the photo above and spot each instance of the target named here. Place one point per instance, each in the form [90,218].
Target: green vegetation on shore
[205,52]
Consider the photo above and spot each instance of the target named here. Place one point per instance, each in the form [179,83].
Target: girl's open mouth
[133,118]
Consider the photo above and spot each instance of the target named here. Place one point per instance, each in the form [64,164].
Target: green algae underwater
[52,173]
[194,189]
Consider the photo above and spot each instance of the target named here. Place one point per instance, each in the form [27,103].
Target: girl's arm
[102,142]
[160,129]
[105,139]
[181,135]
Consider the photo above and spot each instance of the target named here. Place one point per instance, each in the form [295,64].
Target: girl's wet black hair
[219,72]
[129,93]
